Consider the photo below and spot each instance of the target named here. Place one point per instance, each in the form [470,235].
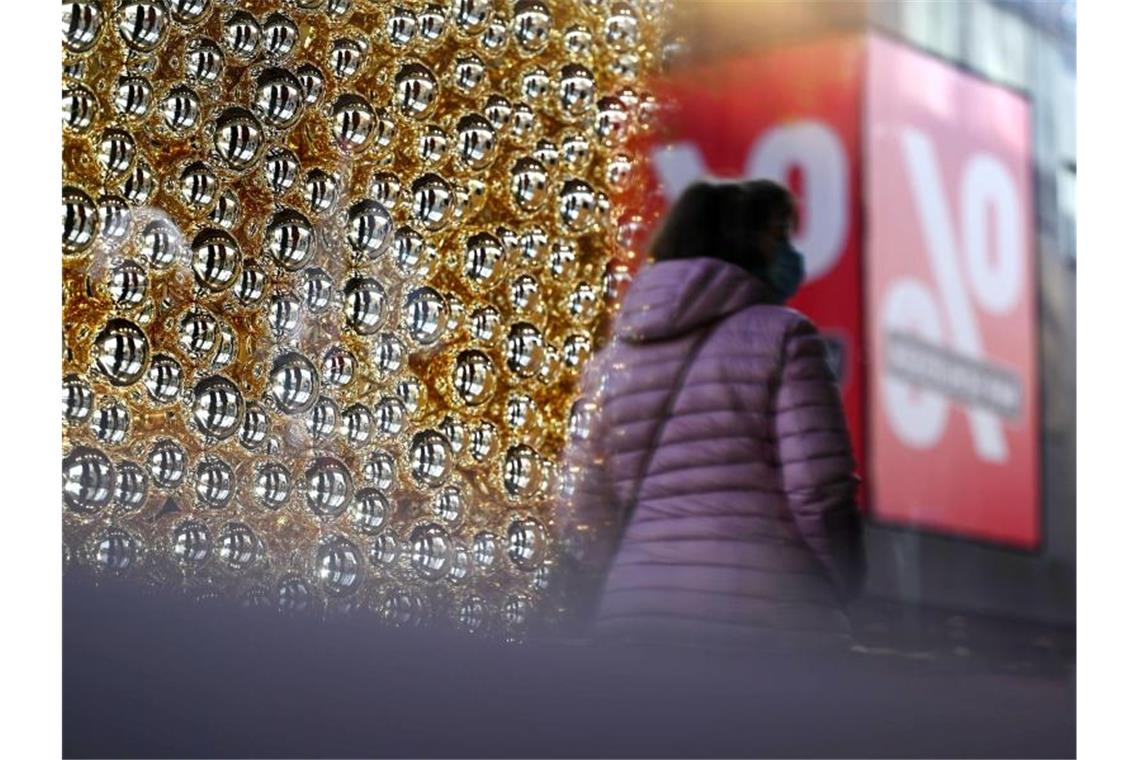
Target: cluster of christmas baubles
[331,271]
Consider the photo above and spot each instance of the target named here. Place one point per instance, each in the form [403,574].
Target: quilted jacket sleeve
[816,460]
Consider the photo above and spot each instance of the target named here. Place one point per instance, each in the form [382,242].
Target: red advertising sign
[791,115]
[952,349]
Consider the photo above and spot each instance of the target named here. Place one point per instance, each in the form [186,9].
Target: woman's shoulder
[771,321]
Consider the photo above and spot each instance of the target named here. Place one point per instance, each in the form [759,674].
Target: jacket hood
[670,298]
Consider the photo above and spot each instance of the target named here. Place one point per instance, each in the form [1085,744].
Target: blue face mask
[785,272]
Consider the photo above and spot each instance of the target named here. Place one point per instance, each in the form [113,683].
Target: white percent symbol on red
[995,280]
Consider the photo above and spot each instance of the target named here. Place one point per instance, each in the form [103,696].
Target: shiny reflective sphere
[370,510]
[416,90]
[369,229]
[577,206]
[116,151]
[380,470]
[449,505]
[215,259]
[485,550]
[621,28]
[525,349]
[79,220]
[318,290]
[484,324]
[471,16]
[611,124]
[531,25]
[198,333]
[281,170]
[475,141]
[163,379]
[576,350]
[328,487]
[528,184]
[521,471]
[338,367]
[133,97]
[241,34]
[461,564]
[110,422]
[483,442]
[498,111]
[339,566]
[346,57]
[294,594]
[390,416]
[139,184]
[312,81]
[356,425]
[353,122]
[535,86]
[323,418]
[181,109]
[78,399]
[385,550]
[526,542]
[227,347]
[385,188]
[161,244]
[227,210]
[293,383]
[121,352]
[279,97]
[468,74]
[238,546]
[432,201]
[130,486]
[281,35]
[474,377]
[79,106]
[272,485]
[218,407]
[400,27]
[191,543]
[425,315]
[214,482]
[429,457]
[483,259]
[254,426]
[82,22]
[410,391]
[237,138]
[289,239]
[204,61]
[284,314]
[88,480]
[114,550]
[199,185]
[114,220]
[166,463]
[364,305]
[321,191]
[142,24]
[430,551]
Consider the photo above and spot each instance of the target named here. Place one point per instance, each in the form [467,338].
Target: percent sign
[995,281]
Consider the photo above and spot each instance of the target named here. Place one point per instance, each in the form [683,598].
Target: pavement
[154,676]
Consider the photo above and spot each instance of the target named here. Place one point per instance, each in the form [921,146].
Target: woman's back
[745,525]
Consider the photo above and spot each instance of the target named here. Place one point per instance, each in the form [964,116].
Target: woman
[715,446]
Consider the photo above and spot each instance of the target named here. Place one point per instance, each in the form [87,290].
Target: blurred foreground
[153,676]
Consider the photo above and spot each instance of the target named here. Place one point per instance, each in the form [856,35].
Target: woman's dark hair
[720,220]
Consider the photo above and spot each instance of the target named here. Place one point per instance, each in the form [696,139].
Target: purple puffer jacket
[746,527]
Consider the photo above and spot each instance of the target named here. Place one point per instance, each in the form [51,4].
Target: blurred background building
[971,105]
